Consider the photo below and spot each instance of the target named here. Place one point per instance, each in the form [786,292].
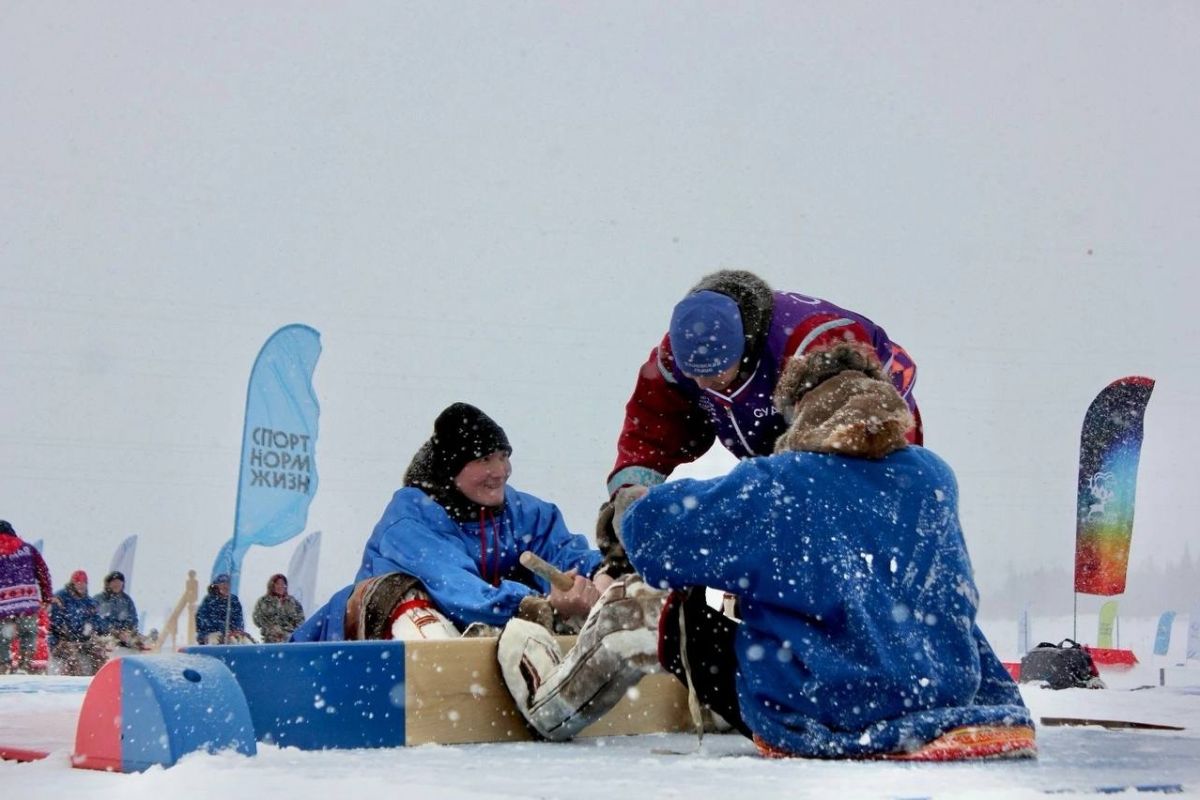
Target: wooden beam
[454,694]
[391,694]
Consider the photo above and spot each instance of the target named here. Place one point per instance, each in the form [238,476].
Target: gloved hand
[625,497]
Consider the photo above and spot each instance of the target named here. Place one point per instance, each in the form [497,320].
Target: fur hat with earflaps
[838,400]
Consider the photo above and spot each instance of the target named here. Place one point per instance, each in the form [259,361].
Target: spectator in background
[210,616]
[277,613]
[117,612]
[25,589]
[74,624]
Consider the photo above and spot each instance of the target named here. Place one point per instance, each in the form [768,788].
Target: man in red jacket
[713,373]
[24,589]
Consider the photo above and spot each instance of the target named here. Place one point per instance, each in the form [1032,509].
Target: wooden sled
[394,693]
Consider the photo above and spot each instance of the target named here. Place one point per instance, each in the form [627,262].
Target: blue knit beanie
[706,334]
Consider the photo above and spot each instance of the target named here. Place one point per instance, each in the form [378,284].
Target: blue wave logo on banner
[278,474]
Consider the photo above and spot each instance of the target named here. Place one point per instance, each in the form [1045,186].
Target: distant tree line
[1150,589]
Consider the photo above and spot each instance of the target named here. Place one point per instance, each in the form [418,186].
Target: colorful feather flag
[1109,448]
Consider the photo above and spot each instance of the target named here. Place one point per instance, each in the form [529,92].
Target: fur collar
[839,401]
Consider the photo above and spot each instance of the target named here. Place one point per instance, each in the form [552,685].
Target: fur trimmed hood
[755,302]
[837,400]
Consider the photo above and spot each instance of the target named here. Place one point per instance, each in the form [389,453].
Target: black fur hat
[461,433]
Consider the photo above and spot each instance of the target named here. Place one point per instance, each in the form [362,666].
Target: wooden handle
[538,565]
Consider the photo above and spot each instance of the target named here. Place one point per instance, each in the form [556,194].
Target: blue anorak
[470,569]
[856,595]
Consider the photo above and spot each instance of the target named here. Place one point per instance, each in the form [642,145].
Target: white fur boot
[561,695]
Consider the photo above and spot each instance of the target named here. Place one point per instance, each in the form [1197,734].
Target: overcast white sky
[500,202]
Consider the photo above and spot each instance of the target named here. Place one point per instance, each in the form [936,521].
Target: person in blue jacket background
[117,611]
[856,593]
[460,529]
[210,616]
[74,624]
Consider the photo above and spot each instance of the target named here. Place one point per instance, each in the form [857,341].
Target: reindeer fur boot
[561,695]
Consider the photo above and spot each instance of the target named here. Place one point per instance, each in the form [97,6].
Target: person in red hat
[74,623]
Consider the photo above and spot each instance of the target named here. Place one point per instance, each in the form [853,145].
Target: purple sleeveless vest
[746,420]
[19,592]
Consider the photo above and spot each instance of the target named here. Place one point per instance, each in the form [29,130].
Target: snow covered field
[39,712]
[500,203]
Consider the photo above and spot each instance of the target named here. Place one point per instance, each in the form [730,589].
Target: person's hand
[624,498]
[602,580]
[576,601]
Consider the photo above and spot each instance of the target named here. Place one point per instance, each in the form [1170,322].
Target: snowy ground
[39,712]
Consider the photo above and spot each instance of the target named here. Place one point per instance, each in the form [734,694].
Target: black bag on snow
[1064,665]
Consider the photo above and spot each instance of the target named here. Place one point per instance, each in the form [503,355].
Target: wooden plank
[454,694]
[318,695]
[1111,724]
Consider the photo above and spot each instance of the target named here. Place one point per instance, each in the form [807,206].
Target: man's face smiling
[483,480]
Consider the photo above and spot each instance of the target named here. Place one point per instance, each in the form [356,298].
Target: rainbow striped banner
[1109,448]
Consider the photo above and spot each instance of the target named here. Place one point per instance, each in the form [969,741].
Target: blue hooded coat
[470,569]
[73,617]
[856,595]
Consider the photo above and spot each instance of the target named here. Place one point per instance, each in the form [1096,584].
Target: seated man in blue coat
[856,595]
[451,540]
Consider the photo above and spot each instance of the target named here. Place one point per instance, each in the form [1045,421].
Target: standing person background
[277,613]
[455,533]
[74,625]
[117,611]
[25,589]
[210,616]
[713,374]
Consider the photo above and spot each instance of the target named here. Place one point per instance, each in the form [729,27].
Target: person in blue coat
[460,529]
[117,611]
[210,616]
[856,594]
[74,626]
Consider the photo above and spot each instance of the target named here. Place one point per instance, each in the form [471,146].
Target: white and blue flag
[278,474]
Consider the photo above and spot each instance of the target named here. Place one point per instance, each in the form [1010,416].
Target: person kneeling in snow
[446,554]
[858,635]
